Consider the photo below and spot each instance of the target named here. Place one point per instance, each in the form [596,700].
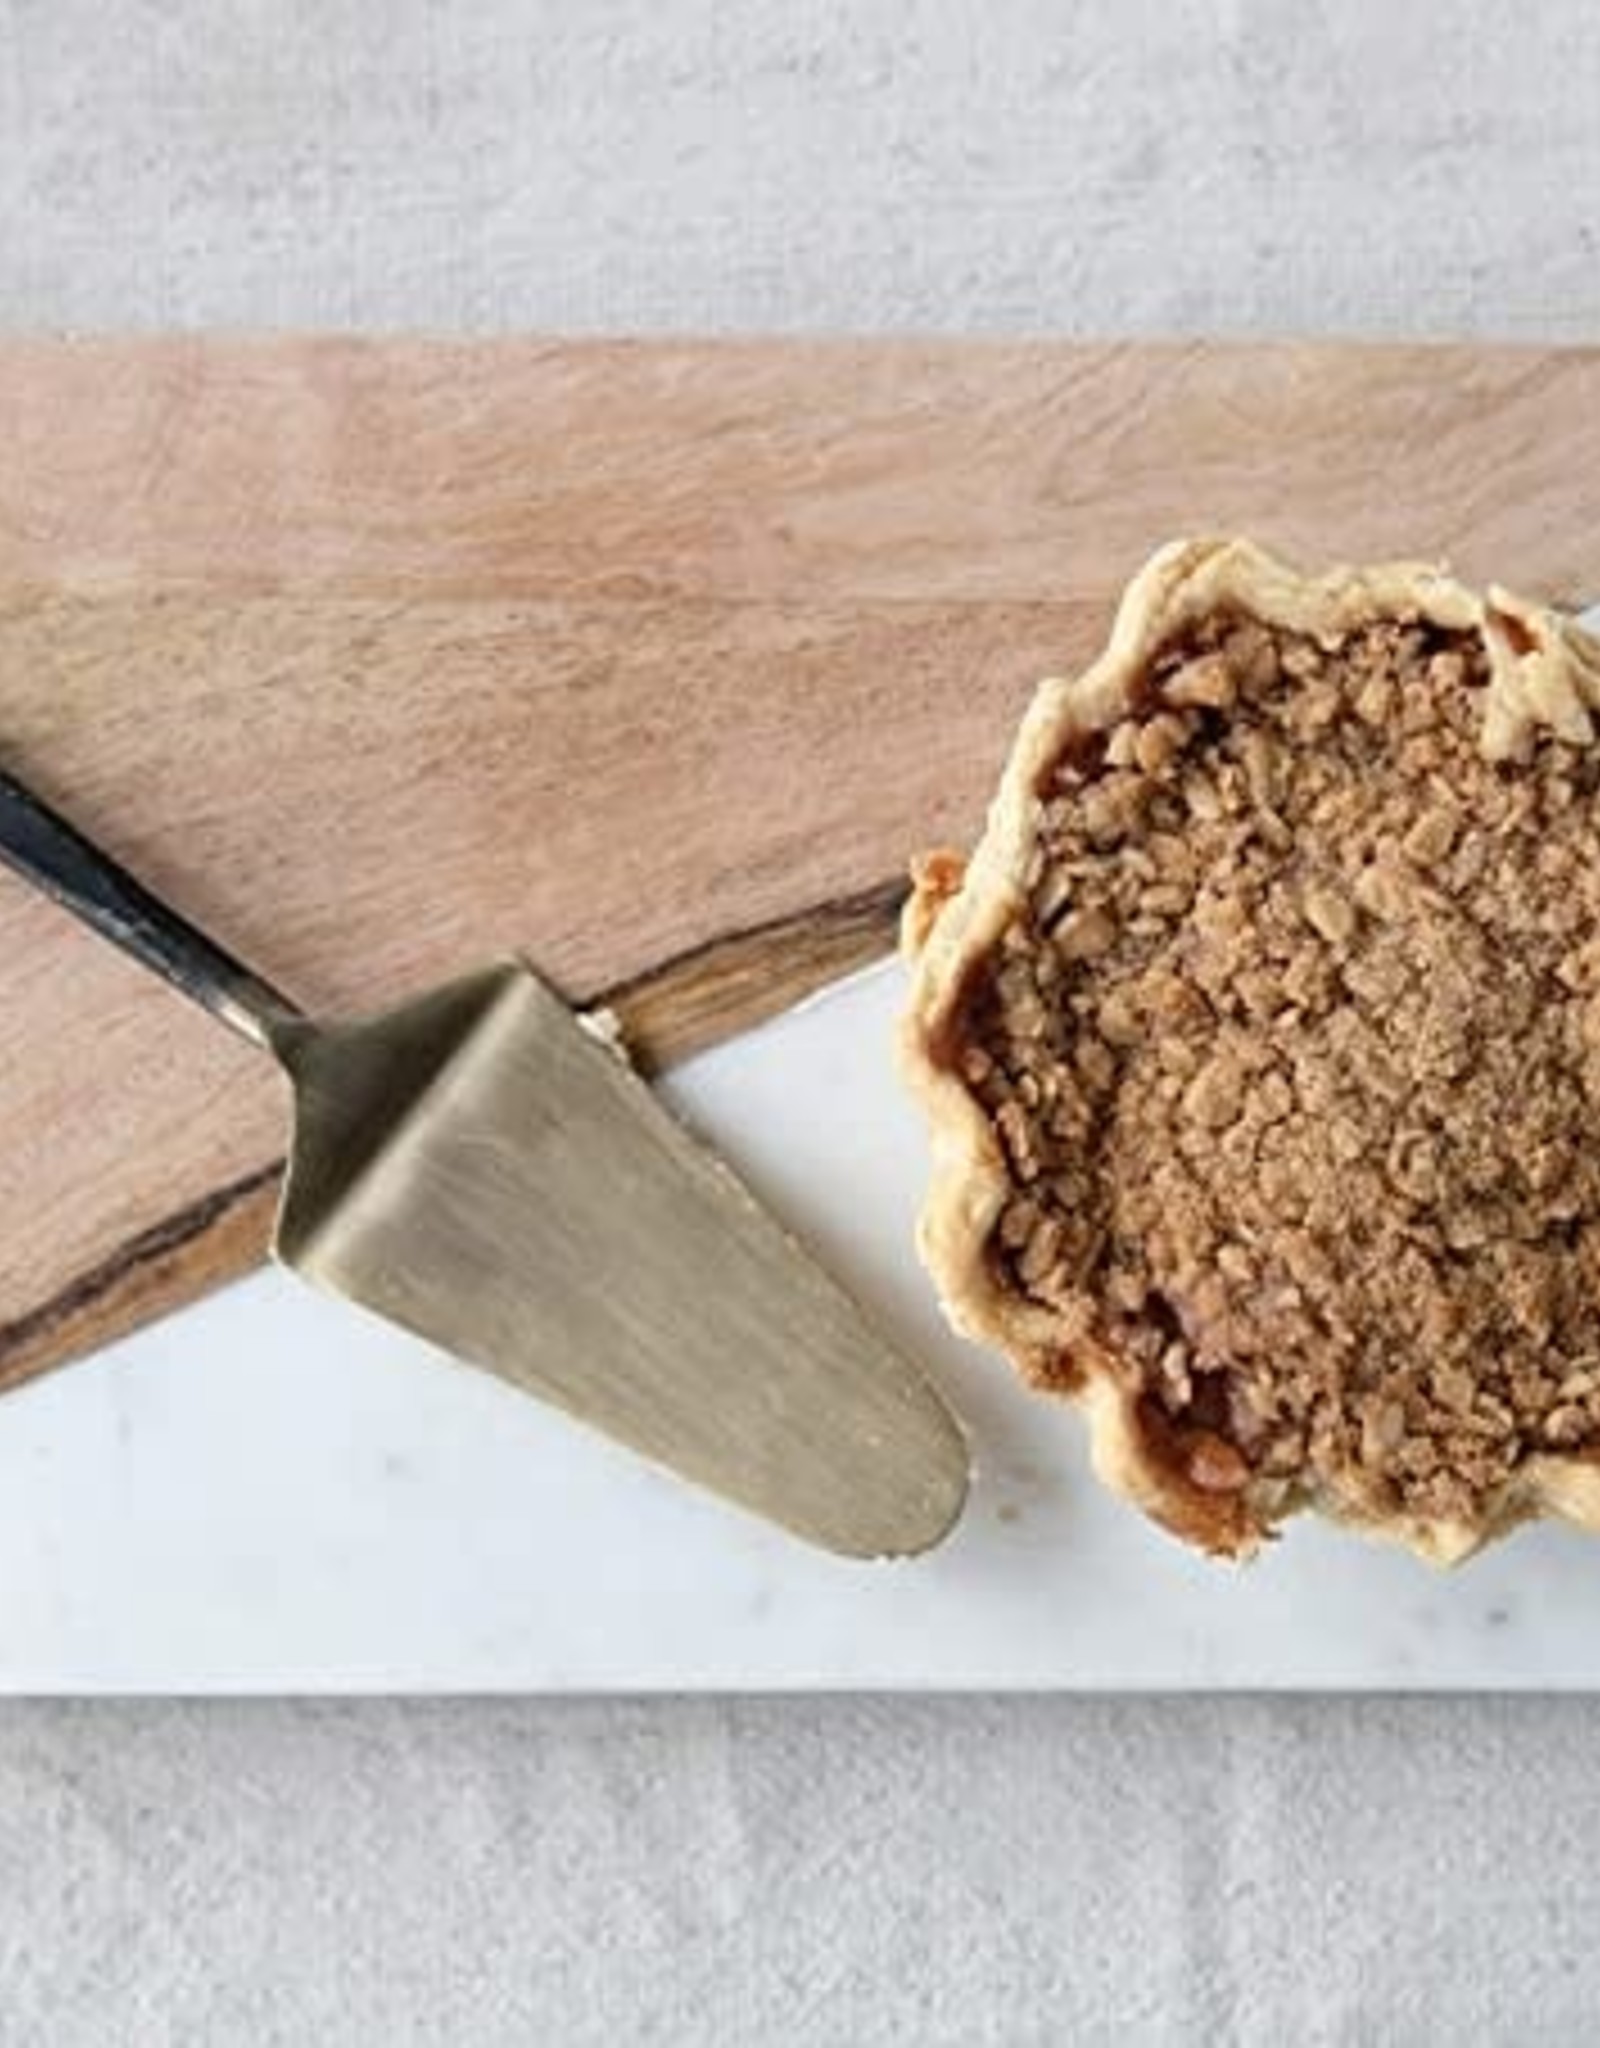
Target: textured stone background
[850,1872]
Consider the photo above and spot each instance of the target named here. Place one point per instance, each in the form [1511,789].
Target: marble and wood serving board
[274,1493]
[651,660]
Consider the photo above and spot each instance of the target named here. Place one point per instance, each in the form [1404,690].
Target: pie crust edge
[1544,676]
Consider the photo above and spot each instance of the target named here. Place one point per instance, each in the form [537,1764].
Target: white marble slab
[274,1493]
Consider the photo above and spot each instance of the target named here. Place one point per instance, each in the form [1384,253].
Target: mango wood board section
[650,660]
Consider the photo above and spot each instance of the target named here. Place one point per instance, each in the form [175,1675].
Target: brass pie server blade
[479,1169]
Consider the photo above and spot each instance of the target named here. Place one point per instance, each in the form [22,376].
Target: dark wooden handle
[38,844]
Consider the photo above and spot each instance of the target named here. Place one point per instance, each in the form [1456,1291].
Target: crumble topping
[1292,1053]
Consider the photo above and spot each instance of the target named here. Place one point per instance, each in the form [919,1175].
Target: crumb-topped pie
[1260,1038]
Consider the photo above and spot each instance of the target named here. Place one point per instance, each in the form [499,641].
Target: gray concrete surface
[867,1872]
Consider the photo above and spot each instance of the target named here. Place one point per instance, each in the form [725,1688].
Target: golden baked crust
[1212,1034]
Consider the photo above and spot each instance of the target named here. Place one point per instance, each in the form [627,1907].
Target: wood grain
[773,470]
[649,660]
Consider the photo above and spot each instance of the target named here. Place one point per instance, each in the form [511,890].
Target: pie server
[478,1168]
